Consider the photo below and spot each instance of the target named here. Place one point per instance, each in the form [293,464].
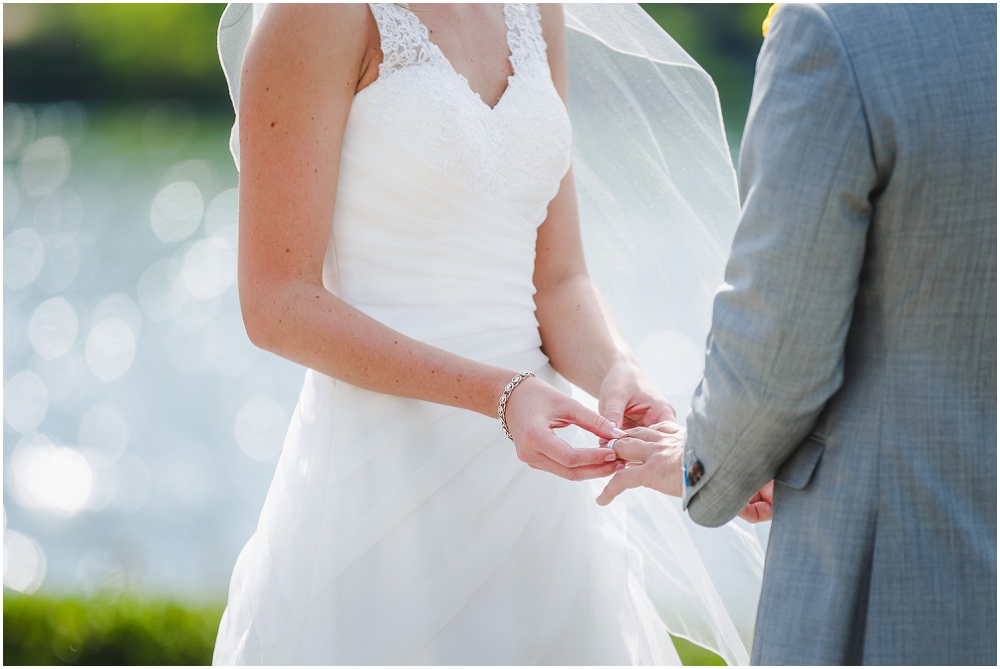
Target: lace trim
[523,141]
[404,39]
[527,46]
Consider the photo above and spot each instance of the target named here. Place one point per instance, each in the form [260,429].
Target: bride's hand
[534,410]
[629,400]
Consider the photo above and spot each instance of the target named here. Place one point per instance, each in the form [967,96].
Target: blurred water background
[141,428]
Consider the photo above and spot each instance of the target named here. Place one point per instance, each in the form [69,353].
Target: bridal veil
[659,206]
[658,210]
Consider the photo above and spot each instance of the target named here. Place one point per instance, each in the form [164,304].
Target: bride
[409,231]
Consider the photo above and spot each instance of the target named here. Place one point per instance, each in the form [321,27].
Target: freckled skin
[316,57]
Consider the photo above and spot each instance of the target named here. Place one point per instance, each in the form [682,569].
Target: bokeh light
[59,211]
[119,305]
[45,165]
[110,349]
[47,476]
[199,172]
[25,401]
[89,259]
[11,194]
[18,129]
[63,377]
[62,263]
[260,428]
[23,563]
[104,478]
[161,290]
[66,119]
[176,211]
[195,315]
[210,267]
[222,211]
[227,349]
[53,328]
[15,334]
[23,255]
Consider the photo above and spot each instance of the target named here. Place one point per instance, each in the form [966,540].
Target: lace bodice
[425,103]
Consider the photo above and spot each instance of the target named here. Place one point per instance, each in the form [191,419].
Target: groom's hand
[655,457]
[758,509]
[655,460]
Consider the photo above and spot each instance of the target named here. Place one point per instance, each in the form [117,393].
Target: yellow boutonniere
[767,19]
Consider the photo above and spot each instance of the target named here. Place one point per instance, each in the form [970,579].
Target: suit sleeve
[780,320]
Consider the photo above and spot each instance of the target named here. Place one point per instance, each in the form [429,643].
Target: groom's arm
[780,320]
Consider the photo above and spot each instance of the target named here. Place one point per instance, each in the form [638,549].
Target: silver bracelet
[502,409]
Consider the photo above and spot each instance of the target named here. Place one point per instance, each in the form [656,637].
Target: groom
[852,356]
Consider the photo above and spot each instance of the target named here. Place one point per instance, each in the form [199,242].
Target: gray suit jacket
[853,348]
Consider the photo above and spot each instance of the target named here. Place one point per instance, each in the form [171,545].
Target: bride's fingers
[630,477]
[548,445]
[614,410]
[591,421]
[582,473]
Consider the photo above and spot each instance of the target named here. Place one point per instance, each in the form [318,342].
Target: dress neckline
[436,49]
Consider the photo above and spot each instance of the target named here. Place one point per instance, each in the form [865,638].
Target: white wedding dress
[398,531]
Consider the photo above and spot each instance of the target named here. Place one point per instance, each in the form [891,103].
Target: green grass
[127,630]
[107,631]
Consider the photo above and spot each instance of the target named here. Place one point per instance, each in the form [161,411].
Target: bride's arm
[579,334]
[302,69]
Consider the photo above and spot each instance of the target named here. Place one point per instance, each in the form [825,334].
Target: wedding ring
[611,444]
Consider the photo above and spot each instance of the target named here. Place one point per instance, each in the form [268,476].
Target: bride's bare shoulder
[299,42]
